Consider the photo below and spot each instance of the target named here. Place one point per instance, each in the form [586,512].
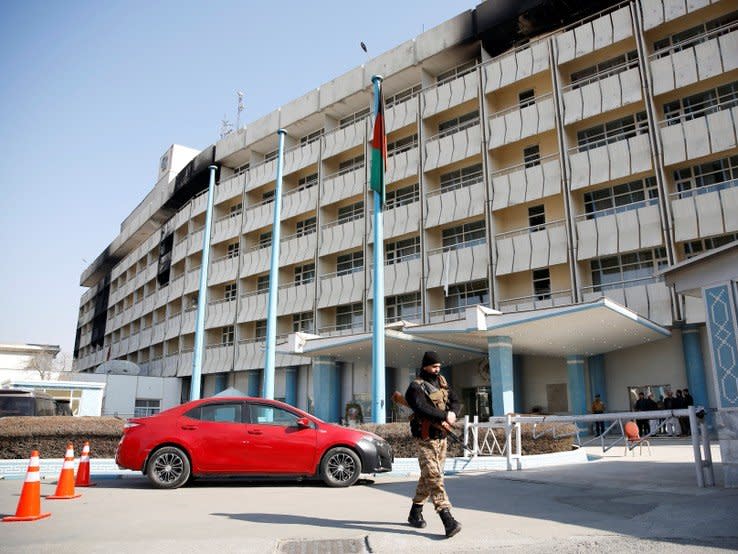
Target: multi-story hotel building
[532,170]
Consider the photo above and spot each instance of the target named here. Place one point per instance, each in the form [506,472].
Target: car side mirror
[303,423]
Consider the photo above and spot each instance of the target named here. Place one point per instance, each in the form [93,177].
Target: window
[305,226]
[467,294]
[402,196]
[350,316]
[402,145]
[620,129]
[267,197]
[542,284]
[401,96]
[303,322]
[402,250]
[536,218]
[709,176]
[447,128]
[464,236]
[308,181]
[262,283]
[229,412]
[311,137]
[701,104]
[270,415]
[621,198]
[458,71]
[146,407]
[613,66]
[614,271]
[692,248]
[532,156]
[265,239]
[464,177]
[693,36]
[233,250]
[304,274]
[402,307]
[235,210]
[269,156]
[353,118]
[227,335]
[242,168]
[350,212]
[260,331]
[348,166]
[350,263]
[231,291]
[527,98]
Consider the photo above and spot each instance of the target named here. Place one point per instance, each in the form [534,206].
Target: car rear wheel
[340,467]
[168,468]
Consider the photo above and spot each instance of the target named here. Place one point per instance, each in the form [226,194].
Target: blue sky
[92,93]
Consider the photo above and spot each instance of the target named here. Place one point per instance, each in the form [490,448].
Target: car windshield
[16,406]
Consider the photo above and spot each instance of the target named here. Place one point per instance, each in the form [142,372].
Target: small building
[84,398]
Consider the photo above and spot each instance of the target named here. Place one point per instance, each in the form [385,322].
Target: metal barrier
[489,445]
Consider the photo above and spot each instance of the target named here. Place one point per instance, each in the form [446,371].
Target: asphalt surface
[621,504]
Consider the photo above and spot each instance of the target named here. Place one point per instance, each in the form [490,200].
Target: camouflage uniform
[431,458]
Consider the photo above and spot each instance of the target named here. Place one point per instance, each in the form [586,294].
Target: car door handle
[189,427]
[254,432]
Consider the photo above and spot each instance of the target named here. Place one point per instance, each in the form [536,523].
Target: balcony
[604,92]
[340,288]
[297,248]
[658,12]
[218,358]
[344,139]
[343,184]
[402,113]
[517,123]
[705,211]
[253,306]
[299,201]
[524,183]
[465,199]
[401,277]
[452,93]
[261,173]
[230,187]
[340,330]
[258,215]
[459,263]
[174,289]
[194,241]
[169,365]
[223,269]
[401,165]
[341,235]
[220,313]
[294,299]
[226,227]
[444,149]
[649,297]
[712,53]
[536,301]
[255,261]
[516,65]
[447,314]
[192,280]
[595,32]
[301,156]
[622,229]
[620,158]
[531,248]
[180,250]
[399,219]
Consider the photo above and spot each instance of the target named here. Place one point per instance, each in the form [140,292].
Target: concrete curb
[402,467]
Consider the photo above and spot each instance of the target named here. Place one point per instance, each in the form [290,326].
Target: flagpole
[271,338]
[202,295]
[378,392]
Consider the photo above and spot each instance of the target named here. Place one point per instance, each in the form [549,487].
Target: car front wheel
[168,468]
[340,467]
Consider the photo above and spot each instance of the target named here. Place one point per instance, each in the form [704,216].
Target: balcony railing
[604,287]
[604,74]
[528,102]
[531,229]
[694,41]
[535,301]
[338,330]
[524,165]
[698,190]
[458,246]
[618,209]
[447,314]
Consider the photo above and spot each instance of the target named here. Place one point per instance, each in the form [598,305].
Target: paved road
[621,504]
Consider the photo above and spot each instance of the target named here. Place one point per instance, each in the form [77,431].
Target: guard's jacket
[431,399]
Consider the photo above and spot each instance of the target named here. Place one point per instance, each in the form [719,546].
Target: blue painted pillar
[326,389]
[576,386]
[499,351]
[694,364]
[518,383]
[597,382]
[253,383]
[290,386]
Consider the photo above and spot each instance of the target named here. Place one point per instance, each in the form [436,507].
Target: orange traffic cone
[83,471]
[65,485]
[29,505]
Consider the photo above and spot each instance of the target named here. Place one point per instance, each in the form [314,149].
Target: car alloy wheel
[168,468]
[341,467]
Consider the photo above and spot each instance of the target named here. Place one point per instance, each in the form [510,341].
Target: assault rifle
[399,399]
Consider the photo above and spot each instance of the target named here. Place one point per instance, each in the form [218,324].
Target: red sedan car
[247,436]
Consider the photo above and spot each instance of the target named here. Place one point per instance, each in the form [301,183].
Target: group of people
[673,426]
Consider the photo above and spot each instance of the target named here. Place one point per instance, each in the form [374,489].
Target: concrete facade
[573,167]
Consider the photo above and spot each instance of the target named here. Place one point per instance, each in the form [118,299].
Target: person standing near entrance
[434,407]
[598,407]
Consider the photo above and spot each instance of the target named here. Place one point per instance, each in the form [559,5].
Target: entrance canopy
[580,329]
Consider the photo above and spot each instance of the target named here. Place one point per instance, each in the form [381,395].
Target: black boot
[416,516]
[449,523]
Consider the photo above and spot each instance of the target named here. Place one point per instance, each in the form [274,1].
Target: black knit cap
[430,358]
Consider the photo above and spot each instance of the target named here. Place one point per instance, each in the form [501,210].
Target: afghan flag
[379,145]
